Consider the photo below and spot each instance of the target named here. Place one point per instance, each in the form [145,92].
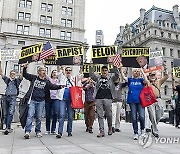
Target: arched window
[165,89]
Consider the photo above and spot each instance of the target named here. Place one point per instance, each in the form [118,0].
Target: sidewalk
[84,143]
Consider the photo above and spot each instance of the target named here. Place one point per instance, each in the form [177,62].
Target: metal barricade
[1,111]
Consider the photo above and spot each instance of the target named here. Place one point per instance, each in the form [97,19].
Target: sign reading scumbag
[9,55]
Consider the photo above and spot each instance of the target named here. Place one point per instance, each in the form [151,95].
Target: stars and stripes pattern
[117,59]
[46,51]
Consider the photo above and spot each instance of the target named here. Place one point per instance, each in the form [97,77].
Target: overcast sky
[108,15]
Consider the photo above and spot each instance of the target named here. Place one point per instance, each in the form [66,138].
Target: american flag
[46,51]
[117,59]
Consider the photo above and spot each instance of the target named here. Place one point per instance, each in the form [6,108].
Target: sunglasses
[68,70]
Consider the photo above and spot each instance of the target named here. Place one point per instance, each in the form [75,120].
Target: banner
[176,68]
[135,57]
[9,55]
[103,54]
[97,69]
[30,53]
[51,60]
[69,55]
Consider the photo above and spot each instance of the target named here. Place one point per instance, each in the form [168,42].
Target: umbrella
[23,111]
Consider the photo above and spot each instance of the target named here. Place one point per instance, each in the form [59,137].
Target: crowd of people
[103,96]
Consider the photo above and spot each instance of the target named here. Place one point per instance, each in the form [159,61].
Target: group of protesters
[103,95]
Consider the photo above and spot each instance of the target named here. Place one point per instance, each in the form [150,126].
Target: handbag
[147,96]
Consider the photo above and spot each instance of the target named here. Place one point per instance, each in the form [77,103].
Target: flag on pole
[117,59]
[46,51]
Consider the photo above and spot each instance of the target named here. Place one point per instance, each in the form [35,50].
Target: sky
[109,15]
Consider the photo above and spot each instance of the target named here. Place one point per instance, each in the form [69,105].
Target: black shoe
[113,130]
[148,130]
[69,134]
[87,129]
[117,130]
[58,135]
[155,135]
[6,132]
[90,131]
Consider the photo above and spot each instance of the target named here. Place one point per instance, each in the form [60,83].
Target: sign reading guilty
[103,54]
[30,53]
[69,55]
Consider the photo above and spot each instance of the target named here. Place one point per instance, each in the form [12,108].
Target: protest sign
[176,67]
[135,56]
[51,60]
[30,53]
[9,55]
[103,54]
[66,55]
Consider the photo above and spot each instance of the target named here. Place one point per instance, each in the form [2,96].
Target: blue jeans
[35,108]
[137,108]
[9,109]
[65,104]
[52,109]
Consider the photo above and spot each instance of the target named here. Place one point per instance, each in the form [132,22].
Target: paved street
[82,142]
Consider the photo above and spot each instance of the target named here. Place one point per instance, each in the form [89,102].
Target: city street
[83,142]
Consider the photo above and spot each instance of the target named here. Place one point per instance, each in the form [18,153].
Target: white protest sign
[9,55]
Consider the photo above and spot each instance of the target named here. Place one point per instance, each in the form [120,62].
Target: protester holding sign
[177,110]
[156,110]
[12,91]
[104,93]
[38,92]
[135,84]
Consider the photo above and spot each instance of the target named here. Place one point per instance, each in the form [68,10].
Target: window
[27,16]
[22,3]
[28,4]
[21,15]
[172,64]
[169,35]
[171,52]
[43,6]
[26,30]
[63,22]
[177,36]
[69,11]
[178,53]
[21,42]
[155,32]
[167,24]
[16,68]
[62,35]
[69,23]
[42,32]
[48,32]
[64,9]
[43,19]
[165,89]
[68,36]
[164,52]
[162,34]
[49,20]
[149,32]
[145,36]
[70,1]
[20,29]
[49,8]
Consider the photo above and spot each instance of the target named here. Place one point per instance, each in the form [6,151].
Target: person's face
[68,72]
[12,75]
[136,73]
[77,59]
[54,74]
[110,59]
[104,72]
[152,77]
[142,61]
[35,57]
[42,72]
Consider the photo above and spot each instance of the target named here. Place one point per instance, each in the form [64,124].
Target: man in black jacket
[37,93]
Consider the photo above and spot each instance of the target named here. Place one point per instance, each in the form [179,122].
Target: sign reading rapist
[66,55]
[103,54]
[135,56]
[30,53]
[176,67]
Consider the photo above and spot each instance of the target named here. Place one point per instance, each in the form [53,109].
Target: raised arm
[55,87]
[26,75]
[122,74]
[165,77]
[116,74]
[146,81]
[1,72]
[92,74]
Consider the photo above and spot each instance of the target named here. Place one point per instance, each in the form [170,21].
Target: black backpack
[16,84]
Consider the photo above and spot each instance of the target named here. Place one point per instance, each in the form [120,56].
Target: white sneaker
[142,131]
[27,135]
[47,133]
[136,136]
[38,135]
